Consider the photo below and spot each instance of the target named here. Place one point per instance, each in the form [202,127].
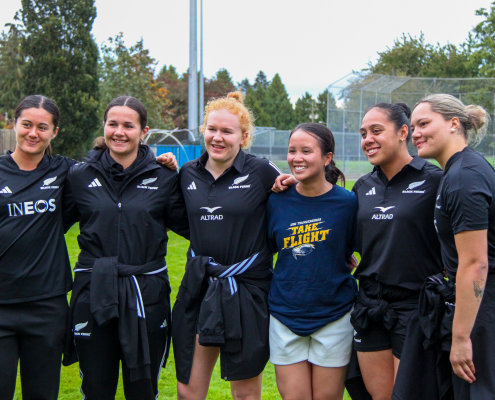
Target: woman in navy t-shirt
[312,226]
[465,221]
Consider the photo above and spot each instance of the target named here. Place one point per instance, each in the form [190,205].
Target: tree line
[49,49]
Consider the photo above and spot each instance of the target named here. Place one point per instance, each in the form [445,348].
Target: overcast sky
[310,43]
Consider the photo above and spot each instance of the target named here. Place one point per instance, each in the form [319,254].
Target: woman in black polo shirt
[395,220]
[465,220]
[221,306]
[35,273]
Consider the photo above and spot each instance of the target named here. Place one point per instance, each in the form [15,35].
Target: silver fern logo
[412,187]
[145,184]
[78,327]
[237,181]
[48,182]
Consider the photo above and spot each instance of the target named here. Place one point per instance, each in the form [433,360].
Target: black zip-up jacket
[128,228]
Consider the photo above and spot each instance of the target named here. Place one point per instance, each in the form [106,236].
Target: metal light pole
[201,76]
[193,66]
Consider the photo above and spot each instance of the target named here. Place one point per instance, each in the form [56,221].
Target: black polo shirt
[396,233]
[34,263]
[227,216]
[465,202]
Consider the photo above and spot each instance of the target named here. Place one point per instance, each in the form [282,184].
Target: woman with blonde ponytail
[221,307]
[465,220]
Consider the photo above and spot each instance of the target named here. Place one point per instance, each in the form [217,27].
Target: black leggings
[100,356]
[32,332]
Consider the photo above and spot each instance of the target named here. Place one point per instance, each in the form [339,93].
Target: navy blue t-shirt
[314,237]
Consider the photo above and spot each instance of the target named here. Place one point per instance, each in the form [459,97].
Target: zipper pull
[120,206]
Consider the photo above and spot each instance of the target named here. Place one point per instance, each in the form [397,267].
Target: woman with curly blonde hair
[222,306]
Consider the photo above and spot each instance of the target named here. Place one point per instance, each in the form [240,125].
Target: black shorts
[377,337]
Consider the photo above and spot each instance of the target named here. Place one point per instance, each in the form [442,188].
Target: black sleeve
[357,243]
[175,209]
[70,213]
[272,243]
[353,245]
[468,206]
[268,172]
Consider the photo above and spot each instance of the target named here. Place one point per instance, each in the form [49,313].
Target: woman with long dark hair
[395,219]
[312,226]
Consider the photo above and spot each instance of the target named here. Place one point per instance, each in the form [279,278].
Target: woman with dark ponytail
[398,245]
[312,227]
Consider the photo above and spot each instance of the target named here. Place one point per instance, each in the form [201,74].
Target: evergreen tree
[244,85]
[322,106]
[305,106]
[278,105]
[62,64]
[255,99]
[131,72]
[12,63]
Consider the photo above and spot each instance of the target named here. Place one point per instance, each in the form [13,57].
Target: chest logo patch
[6,190]
[47,182]
[371,192]
[302,250]
[412,186]
[211,217]
[237,181]
[95,183]
[383,215]
[192,186]
[146,182]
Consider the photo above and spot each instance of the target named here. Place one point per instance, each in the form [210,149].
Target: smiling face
[305,158]
[34,130]
[123,133]
[431,132]
[223,136]
[380,140]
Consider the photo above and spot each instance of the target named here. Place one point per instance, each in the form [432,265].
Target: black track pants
[32,332]
[100,356]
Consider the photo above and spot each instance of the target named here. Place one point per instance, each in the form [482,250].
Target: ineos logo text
[31,207]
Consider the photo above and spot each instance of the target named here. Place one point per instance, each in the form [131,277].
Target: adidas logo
[95,183]
[164,325]
[192,186]
[371,192]
[5,190]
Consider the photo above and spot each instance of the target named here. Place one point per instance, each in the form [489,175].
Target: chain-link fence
[350,98]
[356,93]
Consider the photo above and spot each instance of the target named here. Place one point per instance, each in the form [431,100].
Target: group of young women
[407,219]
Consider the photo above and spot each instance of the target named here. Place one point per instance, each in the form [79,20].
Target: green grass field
[219,389]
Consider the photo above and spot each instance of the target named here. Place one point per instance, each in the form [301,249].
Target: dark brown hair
[38,101]
[326,141]
[121,101]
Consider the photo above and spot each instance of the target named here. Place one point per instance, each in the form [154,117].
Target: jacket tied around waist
[115,293]
[217,316]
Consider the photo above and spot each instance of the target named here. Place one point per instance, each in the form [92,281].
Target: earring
[453,130]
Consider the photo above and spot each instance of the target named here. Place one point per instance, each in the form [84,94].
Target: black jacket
[123,236]
[425,370]
[233,314]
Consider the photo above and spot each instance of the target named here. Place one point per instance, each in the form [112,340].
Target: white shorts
[330,346]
